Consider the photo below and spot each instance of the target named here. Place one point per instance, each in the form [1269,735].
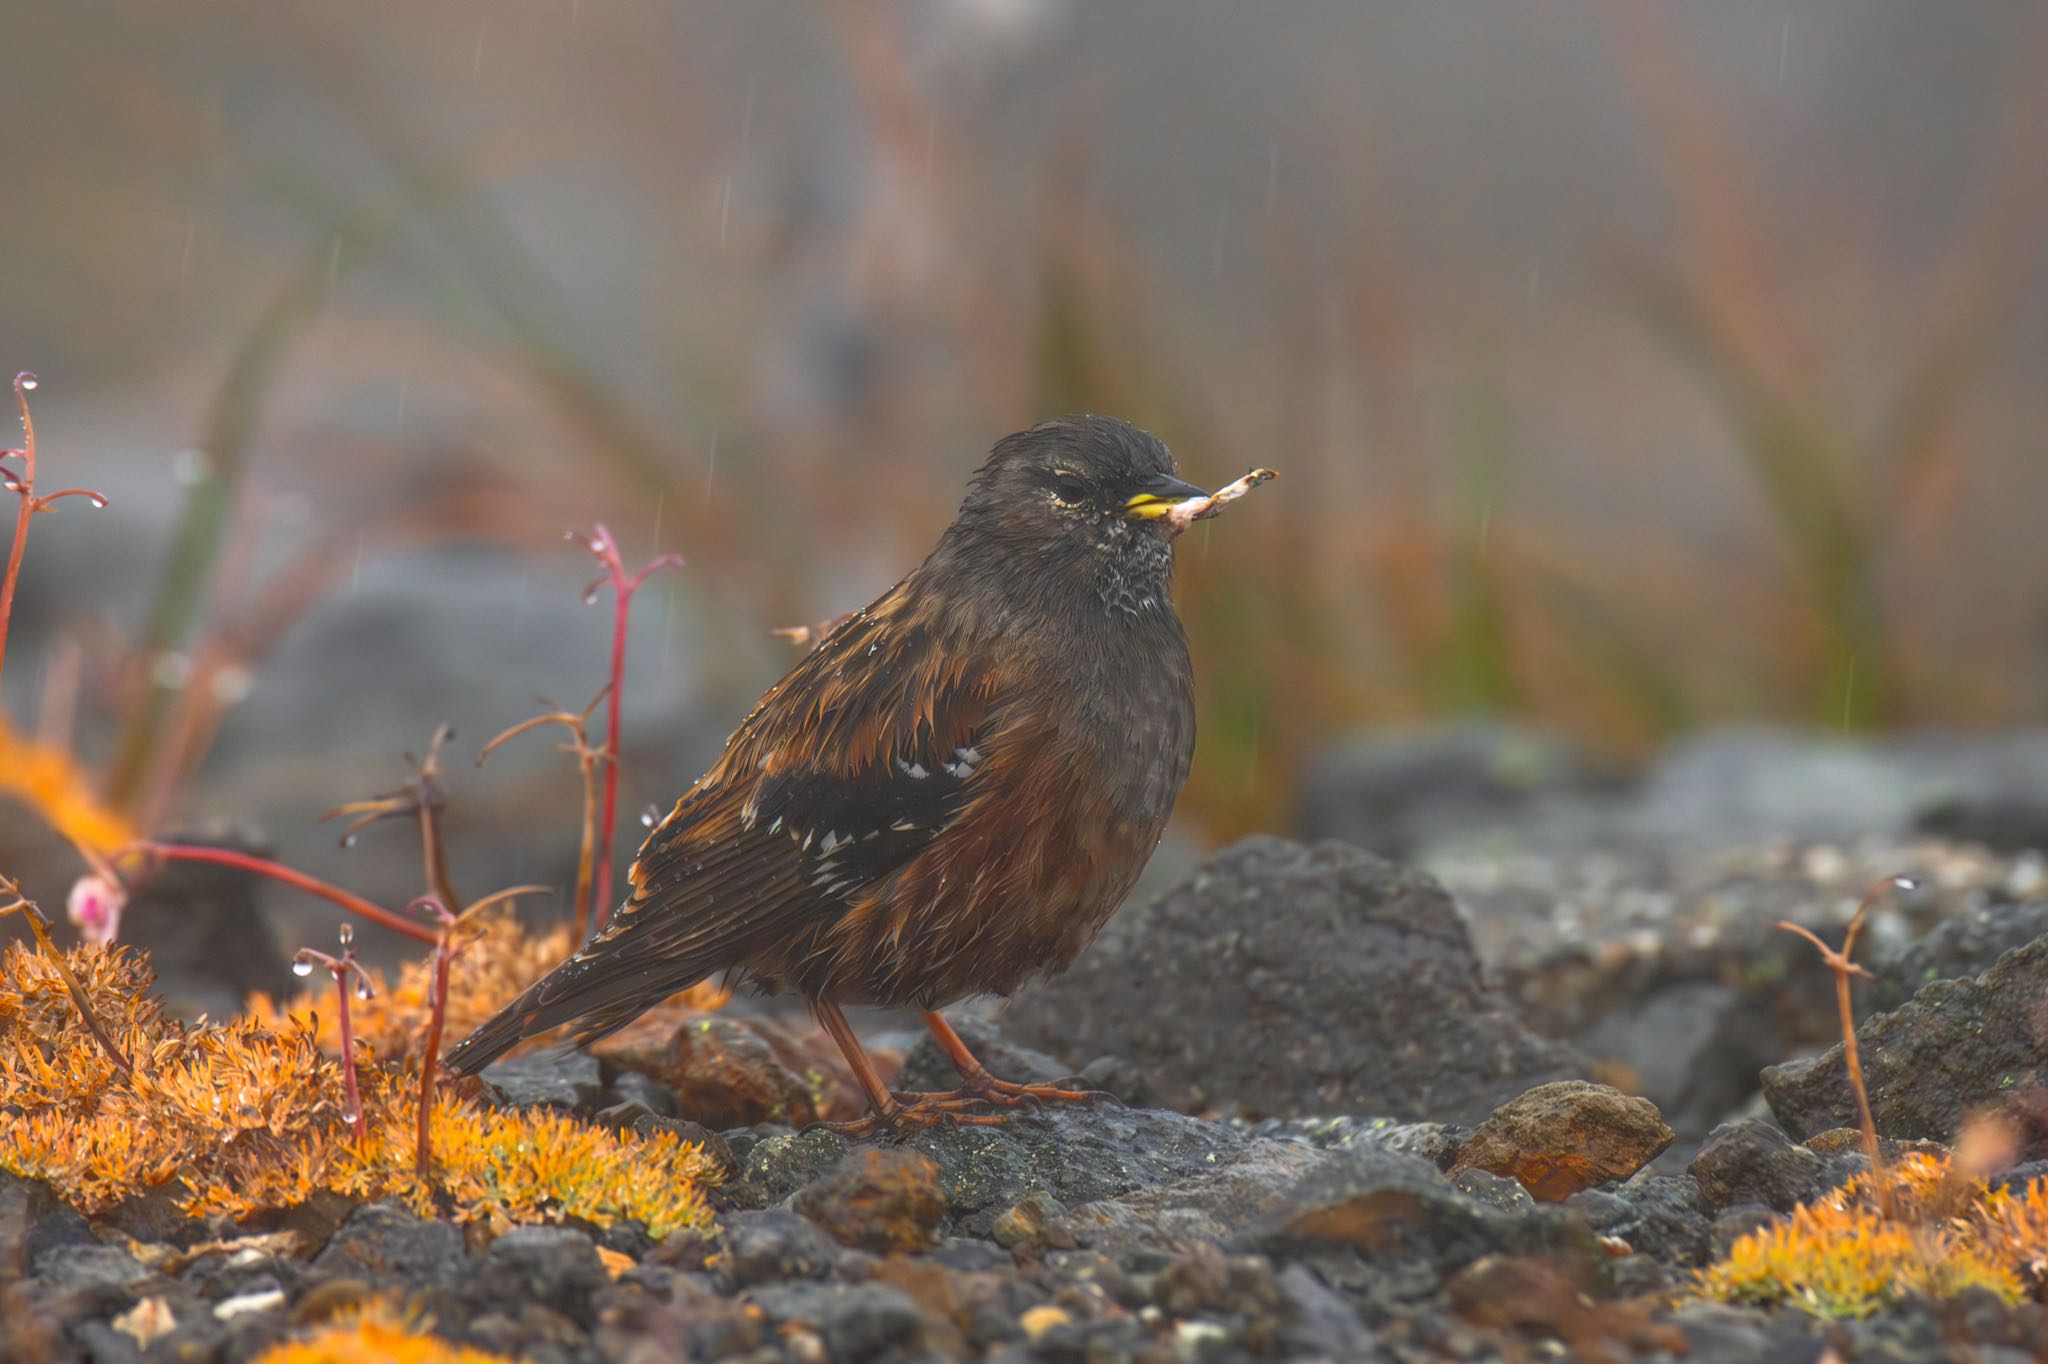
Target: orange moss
[376,1335]
[500,960]
[237,1118]
[49,781]
[1930,1229]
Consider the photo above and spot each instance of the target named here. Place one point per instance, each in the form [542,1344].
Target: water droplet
[29,383]
[348,934]
[302,968]
[348,840]
[650,817]
[1906,883]
[363,990]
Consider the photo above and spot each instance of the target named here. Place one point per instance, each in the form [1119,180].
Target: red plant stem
[348,1059]
[277,871]
[624,586]
[607,819]
[437,1016]
[25,509]
[1853,1063]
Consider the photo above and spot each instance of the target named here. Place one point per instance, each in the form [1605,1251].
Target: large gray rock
[1074,1153]
[1365,963]
[1957,1046]
[1968,944]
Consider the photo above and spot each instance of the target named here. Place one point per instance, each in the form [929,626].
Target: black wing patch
[851,830]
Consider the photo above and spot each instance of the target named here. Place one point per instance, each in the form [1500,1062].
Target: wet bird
[947,797]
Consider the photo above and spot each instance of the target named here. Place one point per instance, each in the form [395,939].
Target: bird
[946,797]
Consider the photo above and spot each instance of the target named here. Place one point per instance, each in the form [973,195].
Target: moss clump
[238,1118]
[498,960]
[1927,1229]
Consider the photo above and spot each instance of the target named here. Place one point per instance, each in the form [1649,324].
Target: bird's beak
[1162,493]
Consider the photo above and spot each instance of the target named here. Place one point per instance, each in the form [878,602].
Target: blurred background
[1632,367]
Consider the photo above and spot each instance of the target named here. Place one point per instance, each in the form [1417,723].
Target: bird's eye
[1069,488]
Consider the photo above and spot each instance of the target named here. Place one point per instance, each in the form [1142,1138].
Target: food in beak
[1180,515]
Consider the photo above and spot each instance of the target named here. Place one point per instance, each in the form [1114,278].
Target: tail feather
[597,989]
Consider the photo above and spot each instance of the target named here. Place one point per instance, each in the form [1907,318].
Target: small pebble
[1038,1320]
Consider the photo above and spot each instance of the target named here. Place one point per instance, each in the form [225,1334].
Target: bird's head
[1081,499]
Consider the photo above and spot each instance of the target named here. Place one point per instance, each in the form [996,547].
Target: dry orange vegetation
[1922,1227]
[243,1117]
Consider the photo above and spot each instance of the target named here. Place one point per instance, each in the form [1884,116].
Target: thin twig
[588,759]
[40,926]
[27,504]
[277,871]
[606,551]
[421,799]
[445,950]
[341,968]
[1843,969]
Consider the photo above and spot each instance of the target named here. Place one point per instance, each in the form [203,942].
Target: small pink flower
[95,907]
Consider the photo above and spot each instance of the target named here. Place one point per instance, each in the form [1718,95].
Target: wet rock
[1076,1153]
[1397,794]
[1693,1050]
[1213,1205]
[879,1199]
[1658,1216]
[100,1275]
[1319,1323]
[1720,1334]
[1436,1142]
[1604,945]
[1732,1224]
[1372,957]
[559,1078]
[769,1246]
[728,1071]
[1391,1229]
[1495,1191]
[1753,1162]
[1027,1219]
[1966,945]
[1522,1295]
[556,1268]
[855,1322]
[1957,1046]
[386,1242]
[25,1206]
[1559,1138]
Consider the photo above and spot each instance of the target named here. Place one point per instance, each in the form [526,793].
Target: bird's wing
[862,755]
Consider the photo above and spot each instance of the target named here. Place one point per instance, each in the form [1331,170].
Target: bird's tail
[599,988]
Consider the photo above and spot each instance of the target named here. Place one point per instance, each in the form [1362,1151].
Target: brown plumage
[948,796]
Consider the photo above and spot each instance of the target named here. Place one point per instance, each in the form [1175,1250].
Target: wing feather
[867,751]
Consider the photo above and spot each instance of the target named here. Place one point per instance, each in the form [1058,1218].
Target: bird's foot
[909,1113]
[984,1088]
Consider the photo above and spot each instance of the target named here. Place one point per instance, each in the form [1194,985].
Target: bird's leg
[978,1084]
[886,1114]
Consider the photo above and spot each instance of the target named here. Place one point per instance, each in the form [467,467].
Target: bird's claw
[921,1113]
[968,1106]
